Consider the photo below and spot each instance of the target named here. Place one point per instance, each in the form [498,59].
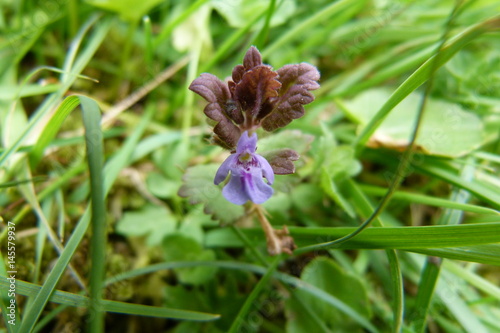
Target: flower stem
[278,241]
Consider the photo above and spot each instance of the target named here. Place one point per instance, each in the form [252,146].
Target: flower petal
[256,189]
[234,190]
[224,169]
[247,143]
[267,170]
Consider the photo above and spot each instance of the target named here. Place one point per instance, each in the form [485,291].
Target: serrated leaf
[281,160]
[257,86]
[155,222]
[179,247]
[220,108]
[199,188]
[296,80]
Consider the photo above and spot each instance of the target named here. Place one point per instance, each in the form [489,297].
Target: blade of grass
[262,36]
[474,279]
[423,73]
[34,311]
[53,126]
[170,26]
[95,155]
[230,42]
[426,286]
[449,295]
[406,237]
[14,183]
[483,254]
[70,299]
[307,23]
[397,292]
[428,200]
[29,194]
[475,187]
[237,322]
[432,268]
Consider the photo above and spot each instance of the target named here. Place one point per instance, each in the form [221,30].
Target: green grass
[389,239]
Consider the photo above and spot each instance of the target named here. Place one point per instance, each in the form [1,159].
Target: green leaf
[179,247]
[331,278]
[199,188]
[50,131]
[129,10]
[446,129]
[153,221]
[439,241]
[407,237]
[292,139]
[329,187]
[160,186]
[238,13]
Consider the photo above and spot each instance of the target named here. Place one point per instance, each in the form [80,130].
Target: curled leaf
[296,80]
[281,160]
[252,58]
[254,91]
[220,108]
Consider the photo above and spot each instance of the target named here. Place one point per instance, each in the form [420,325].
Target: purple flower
[247,169]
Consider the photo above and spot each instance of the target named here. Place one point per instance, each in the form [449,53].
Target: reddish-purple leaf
[255,89]
[281,160]
[297,80]
[252,58]
[211,88]
[238,72]
[220,108]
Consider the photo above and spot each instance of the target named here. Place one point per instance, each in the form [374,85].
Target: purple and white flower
[248,171]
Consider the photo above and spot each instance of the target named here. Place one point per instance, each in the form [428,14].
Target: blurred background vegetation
[135,59]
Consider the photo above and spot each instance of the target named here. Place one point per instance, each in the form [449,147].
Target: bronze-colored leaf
[297,80]
[221,108]
[255,89]
[228,133]
[281,160]
[237,74]
[211,88]
[252,58]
